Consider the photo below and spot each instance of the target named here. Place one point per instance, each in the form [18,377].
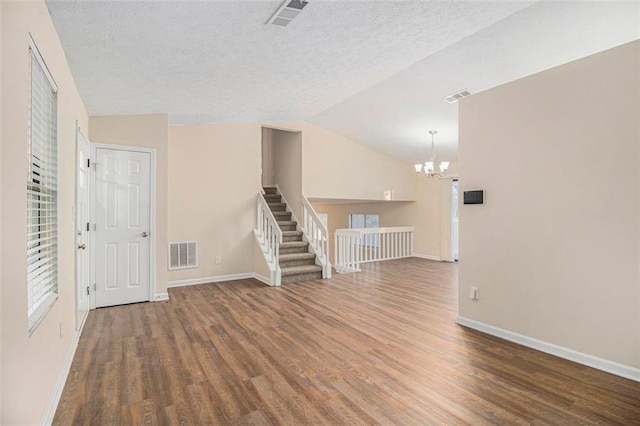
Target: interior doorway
[267,157]
[454,219]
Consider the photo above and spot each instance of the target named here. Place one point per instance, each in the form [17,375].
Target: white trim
[152,213]
[208,280]
[161,297]
[89,234]
[62,379]
[262,278]
[612,367]
[427,256]
[45,68]
[218,279]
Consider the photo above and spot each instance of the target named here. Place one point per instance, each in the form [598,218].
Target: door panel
[122,225]
[82,233]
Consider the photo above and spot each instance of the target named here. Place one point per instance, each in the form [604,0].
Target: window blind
[42,193]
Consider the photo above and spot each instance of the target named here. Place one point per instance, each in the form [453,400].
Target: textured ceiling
[375,71]
[395,115]
[217,61]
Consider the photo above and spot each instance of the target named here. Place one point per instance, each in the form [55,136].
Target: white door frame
[152,215]
[446,251]
[89,234]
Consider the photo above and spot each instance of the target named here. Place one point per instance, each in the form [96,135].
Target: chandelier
[428,169]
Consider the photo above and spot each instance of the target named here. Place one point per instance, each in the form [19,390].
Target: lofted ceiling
[375,71]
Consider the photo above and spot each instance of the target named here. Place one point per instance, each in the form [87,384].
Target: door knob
[82,246]
[145,234]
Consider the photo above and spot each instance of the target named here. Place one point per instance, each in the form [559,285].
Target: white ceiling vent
[183,254]
[286,12]
[455,97]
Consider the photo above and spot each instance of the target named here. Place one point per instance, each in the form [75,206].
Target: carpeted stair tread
[276,204]
[290,244]
[304,269]
[282,223]
[278,207]
[296,256]
[291,233]
[270,190]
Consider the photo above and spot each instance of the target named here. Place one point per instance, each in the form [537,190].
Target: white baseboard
[612,367]
[207,280]
[427,256]
[262,278]
[62,380]
[160,297]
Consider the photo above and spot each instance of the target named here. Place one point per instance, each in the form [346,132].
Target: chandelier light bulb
[429,169]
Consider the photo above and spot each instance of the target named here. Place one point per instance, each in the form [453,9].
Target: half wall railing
[354,247]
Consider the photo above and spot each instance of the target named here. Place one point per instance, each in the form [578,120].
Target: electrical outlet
[474,294]
[218,260]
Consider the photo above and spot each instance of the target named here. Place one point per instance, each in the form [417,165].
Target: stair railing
[269,237]
[317,235]
[356,246]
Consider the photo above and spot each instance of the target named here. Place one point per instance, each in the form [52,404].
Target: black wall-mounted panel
[473,197]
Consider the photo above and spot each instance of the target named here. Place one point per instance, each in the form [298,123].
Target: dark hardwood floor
[377,347]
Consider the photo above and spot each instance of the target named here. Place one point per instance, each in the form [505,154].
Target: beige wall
[287,167]
[146,131]
[214,179]
[1,209]
[267,156]
[428,214]
[260,266]
[555,249]
[336,167]
[31,364]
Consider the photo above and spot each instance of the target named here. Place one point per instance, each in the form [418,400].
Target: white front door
[82,230]
[122,226]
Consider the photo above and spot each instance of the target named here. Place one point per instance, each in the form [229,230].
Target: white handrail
[317,235]
[269,236]
[356,246]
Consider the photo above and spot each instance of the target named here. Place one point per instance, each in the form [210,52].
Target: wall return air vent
[183,254]
[455,97]
[287,12]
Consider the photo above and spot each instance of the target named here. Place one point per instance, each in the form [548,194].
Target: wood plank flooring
[377,347]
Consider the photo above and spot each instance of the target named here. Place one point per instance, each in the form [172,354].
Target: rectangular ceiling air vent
[183,254]
[286,12]
[455,97]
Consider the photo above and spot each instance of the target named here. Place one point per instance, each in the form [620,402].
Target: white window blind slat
[42,183]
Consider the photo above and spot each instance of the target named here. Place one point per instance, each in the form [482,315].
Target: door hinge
[88,162]
[87,226]
[94,287]
[87,290]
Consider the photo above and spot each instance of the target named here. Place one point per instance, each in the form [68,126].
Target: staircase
[296,261]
